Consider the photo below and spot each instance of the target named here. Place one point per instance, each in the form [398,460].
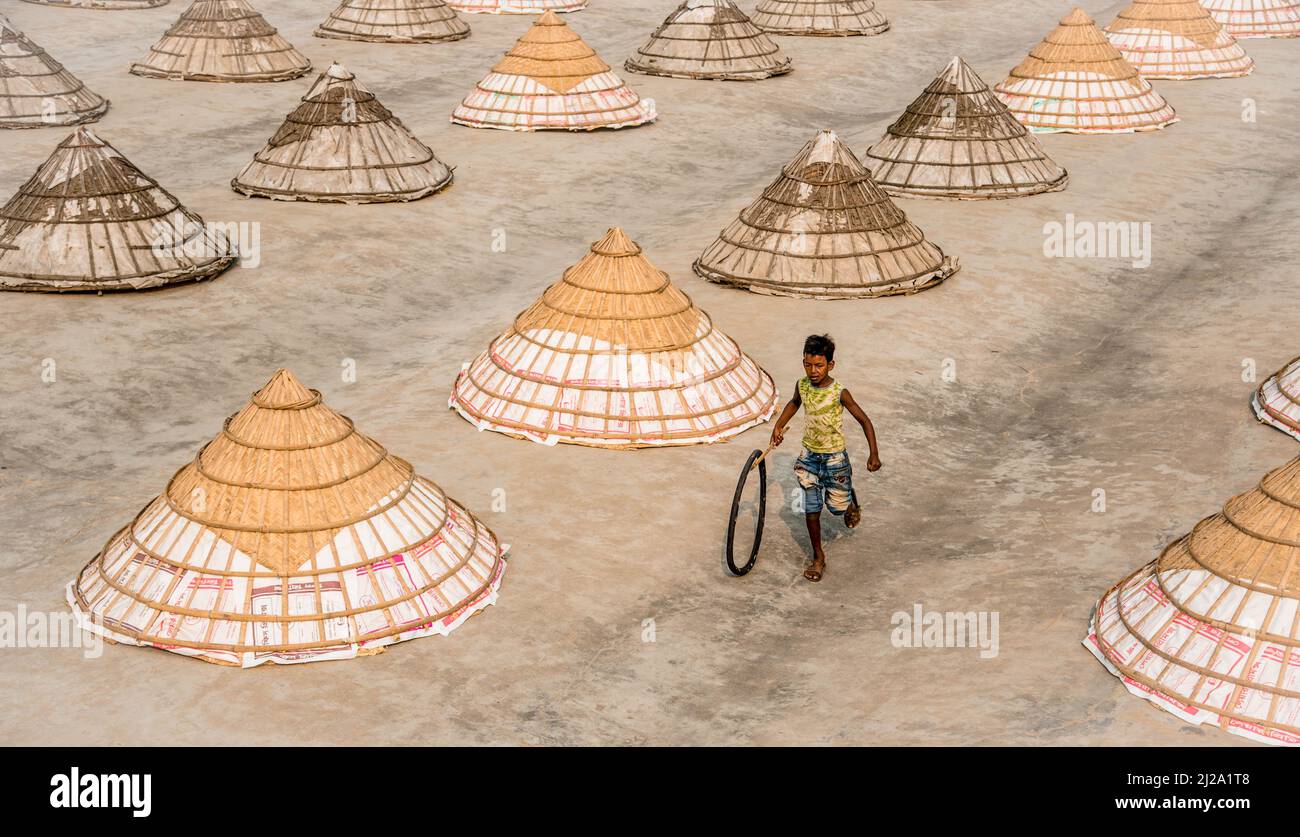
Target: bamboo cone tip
[282,391]
[615,242]
[338,71]
[549,18]
[1078,17]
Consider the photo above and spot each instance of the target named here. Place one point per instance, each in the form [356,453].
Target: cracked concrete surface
[1072,375]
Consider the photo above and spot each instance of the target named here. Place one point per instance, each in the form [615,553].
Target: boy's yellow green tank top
[824,432]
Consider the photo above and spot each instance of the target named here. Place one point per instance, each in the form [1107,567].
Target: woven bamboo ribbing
[1210,630]
[1177,39]
[551,80]
[103,4]
[1076,81]
[824,229]
[614,356]
[291,537]
[1277,401]
[223,41]
[820,17]
[957,140]
[89,220]
[341,145]
[1257,18]
[394,22]
[516,7]
[36,91]
[709,39]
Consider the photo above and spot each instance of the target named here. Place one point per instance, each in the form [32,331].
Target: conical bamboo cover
[551,80]
[820,17]
[1257,18]
[615,356]
[342,145]
[824,229]
[222,40]
[1277,401]
[1076,81]
[103,4]
[709,39]
[290,538]
[394,21]
[1177,39]
[35,90]
[957,140]
[89,220]
[1210,630]
[516,7]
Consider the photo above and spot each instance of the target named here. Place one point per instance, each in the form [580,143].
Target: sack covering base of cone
[342,146]
[551,80]
[1257,18]
[394,22]
[788,243]
[1208,631]
[958,141]
[30,78]
[710,39]
[102,4]
[516,7]
[89,220]
[1177,41]
[1277,401]
[830,18]
[222,41]
[290,538]
[1075,81]
[614,356]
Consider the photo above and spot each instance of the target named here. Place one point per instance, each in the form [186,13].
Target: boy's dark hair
[820,344]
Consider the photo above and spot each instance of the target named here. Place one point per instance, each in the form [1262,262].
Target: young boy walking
[823,468]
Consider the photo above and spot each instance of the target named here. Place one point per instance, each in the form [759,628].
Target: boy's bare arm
[846,398]
[778,430]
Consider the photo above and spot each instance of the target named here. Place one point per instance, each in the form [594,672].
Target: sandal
[813,574]
[853,516]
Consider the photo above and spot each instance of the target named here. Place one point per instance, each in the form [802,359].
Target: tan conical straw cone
[551,80]
[394,22]
[222,41]
[957,140]
[820,17]
[824,230]
[1257,18]
[291,537]
[614,355]
[1210,630]
[1076,81]
[89,220]
[36,91]
[1177,40]
[710,39]
[341,145]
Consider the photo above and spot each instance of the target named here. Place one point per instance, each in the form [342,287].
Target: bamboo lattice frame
[1210,630]
[103,4]
[222,41]
[516,7]
[1277,401]
[291,537]
[394,22]
[820,17]
[824,229]
[1177,39]
[36,91]
[1076,81]
[957,140]
[342,146]
[614,356]
[89,220]
[1257,18]
[710,39]
[551,80]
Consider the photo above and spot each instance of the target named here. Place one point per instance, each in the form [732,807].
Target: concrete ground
[1071,375]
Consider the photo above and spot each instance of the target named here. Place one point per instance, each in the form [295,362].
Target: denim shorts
[828,474]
